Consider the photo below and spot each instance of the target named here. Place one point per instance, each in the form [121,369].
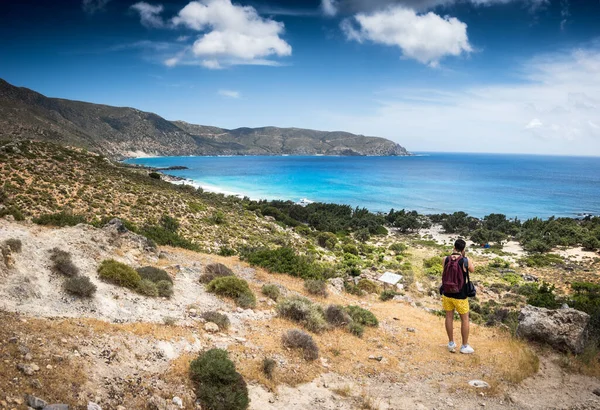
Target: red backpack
[453,278]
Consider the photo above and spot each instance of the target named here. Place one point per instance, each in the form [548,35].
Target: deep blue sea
[521,186]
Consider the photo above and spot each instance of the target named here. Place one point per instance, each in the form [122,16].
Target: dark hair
[460,245]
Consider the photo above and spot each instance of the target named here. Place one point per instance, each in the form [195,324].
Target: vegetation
[119,274]
[217,318]
[14,245]
[154,274]
[165,288]
[368,286]
[271,291]
[60,219]
[147,288]
[297,339]
[215,270]
[284,260]
[302,310]
[356,329]
[234,288]
[362,316]
[387,294]
[80,286]
[217,384]
[316,287]
[62,263]
[166,233]
[337,316]
[268,367]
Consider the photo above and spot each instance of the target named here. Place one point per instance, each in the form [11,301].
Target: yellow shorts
[460,305]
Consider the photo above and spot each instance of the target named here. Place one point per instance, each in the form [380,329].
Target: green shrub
[432,262]
[271,291]
[542,260]
[304,311]
[165,288]
[368,286]
[350,248]
[362,235]
[268,367]
[387,295]
[60,219]
[147,288]
[217,384]
[215,270]
[337,316]
[154,274]
[362,316]
[14,245]
[543,296]
[217,318]
[62,263]
[398,247]
[165,233]
[80,286]
[353,289]
[327,240]
[226,251]
[235,288]
[316,287]
[356,329]
[154,175]
[14,211]
[297,339]
[499,263]
[285,260]
[119,274]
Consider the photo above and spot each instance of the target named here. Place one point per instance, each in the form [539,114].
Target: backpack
[453,278]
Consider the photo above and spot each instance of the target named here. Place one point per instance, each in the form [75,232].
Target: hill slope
[124,132]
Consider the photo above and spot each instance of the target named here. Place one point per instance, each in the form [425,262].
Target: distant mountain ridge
[121,132]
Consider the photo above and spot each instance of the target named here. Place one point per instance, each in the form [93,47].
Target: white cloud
[149,14]
[329,7]
[93,6]
[232,34]
[229,94]
[359,6]
[426,38]
[183,38]
[553,109]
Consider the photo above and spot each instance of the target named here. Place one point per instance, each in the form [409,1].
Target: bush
[337,316]
[302,310]
[327,240]
[14,245]
[235,288]
[387,295]
[297,339]
[80,286]
[316,287]
[225,251]
[368,286]
[543,296]
[60,219]
[165,288]
[268,366]
[398,247]
[165,233]
[147,288]
[356,329]
[285,260]
[499,263]
[62,263]
[215,270]
[353,289]
[217,318]
[271,291]
[542,260]
[217,384]
[119,274]
[362,316]
[432,262]
[351,249]
[154,274]
[154,175]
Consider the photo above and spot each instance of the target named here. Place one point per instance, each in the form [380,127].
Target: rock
[56,407]
[563,329]
[35,383]
[529,278]
[35,367]
[178,402]
[378,358]
[28,357]
[93,406]
[26,369]
[480,384]
[403,298]
[564,306]
[410,329]
[35,402]
[596,392]
[211,327]
[419,287]
[336,285]
[115,224]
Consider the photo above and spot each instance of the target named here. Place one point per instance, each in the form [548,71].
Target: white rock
[211,327]
[93,406]
[178,402]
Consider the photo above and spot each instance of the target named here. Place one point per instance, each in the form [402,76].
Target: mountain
[121,132]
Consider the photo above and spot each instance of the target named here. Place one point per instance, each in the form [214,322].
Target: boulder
[35,402]
[211,327]
[336,285]
[564,329]
[116,225]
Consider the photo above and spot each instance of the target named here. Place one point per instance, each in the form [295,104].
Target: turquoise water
[479,184]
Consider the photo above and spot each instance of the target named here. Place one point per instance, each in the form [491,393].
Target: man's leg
[464,327]
[450,325]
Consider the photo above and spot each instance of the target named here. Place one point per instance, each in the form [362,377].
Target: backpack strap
[466,264]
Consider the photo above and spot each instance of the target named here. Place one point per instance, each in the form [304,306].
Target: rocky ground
[121,350]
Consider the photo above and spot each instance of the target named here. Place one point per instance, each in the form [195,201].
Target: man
[458,301]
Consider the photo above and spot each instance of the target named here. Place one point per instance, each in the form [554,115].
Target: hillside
[121,132]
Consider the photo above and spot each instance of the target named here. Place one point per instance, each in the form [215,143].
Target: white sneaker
[466,349]
[451,347]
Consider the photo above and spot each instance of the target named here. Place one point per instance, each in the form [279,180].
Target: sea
[522,186]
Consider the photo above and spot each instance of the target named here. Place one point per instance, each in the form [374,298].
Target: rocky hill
[124,132]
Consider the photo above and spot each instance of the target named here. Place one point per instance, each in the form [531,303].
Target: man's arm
[471,266]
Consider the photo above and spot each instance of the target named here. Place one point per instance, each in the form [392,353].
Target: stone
[26,369]
[597,391]
[35,383]
[177,401]
[403,298]
[117,225]
[411,329]
[28,357]
[480,384]
[58,406]
[93,406]
[563,329]
[35,402]
[378,358]
[336,285]
[211,327]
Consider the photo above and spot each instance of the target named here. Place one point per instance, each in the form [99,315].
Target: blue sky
[433,75]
